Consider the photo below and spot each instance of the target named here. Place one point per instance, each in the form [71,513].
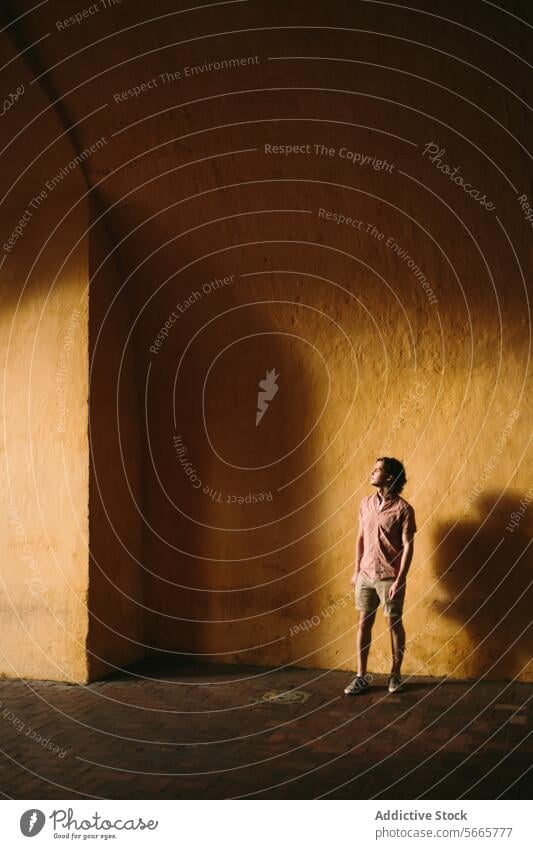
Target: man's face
[378,477]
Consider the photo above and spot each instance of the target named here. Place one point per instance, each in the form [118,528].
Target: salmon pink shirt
[382,523]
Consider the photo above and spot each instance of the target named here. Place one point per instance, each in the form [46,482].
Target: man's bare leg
[397,634]
[364,638]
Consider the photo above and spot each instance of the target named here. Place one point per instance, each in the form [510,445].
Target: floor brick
[204,731]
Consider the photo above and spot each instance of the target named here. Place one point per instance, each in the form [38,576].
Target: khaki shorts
[370,593]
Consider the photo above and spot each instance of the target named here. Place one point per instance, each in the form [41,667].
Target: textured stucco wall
[115,578]
[44,355]
[366,360]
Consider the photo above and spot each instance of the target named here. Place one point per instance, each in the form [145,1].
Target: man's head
[388,473]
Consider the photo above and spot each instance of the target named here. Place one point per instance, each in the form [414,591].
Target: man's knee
[395,623]
[366,620]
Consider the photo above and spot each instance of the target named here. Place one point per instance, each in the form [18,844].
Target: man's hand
[395,587]
[353,579]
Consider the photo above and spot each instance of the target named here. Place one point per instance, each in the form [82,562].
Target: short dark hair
[394,467]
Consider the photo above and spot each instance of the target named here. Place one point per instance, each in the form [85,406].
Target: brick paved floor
[181,732]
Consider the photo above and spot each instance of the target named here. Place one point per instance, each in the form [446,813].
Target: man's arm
[359,548]
[405,562]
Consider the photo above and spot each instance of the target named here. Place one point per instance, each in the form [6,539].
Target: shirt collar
[381,501]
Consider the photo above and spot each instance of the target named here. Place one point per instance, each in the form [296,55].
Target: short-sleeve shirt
[382,523]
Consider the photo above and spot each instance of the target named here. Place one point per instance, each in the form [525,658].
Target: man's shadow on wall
[484,563]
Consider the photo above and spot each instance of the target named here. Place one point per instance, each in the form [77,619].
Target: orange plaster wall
[367,362]
[44,365]
[115,505]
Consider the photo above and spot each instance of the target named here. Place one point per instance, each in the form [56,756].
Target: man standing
[384,550]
